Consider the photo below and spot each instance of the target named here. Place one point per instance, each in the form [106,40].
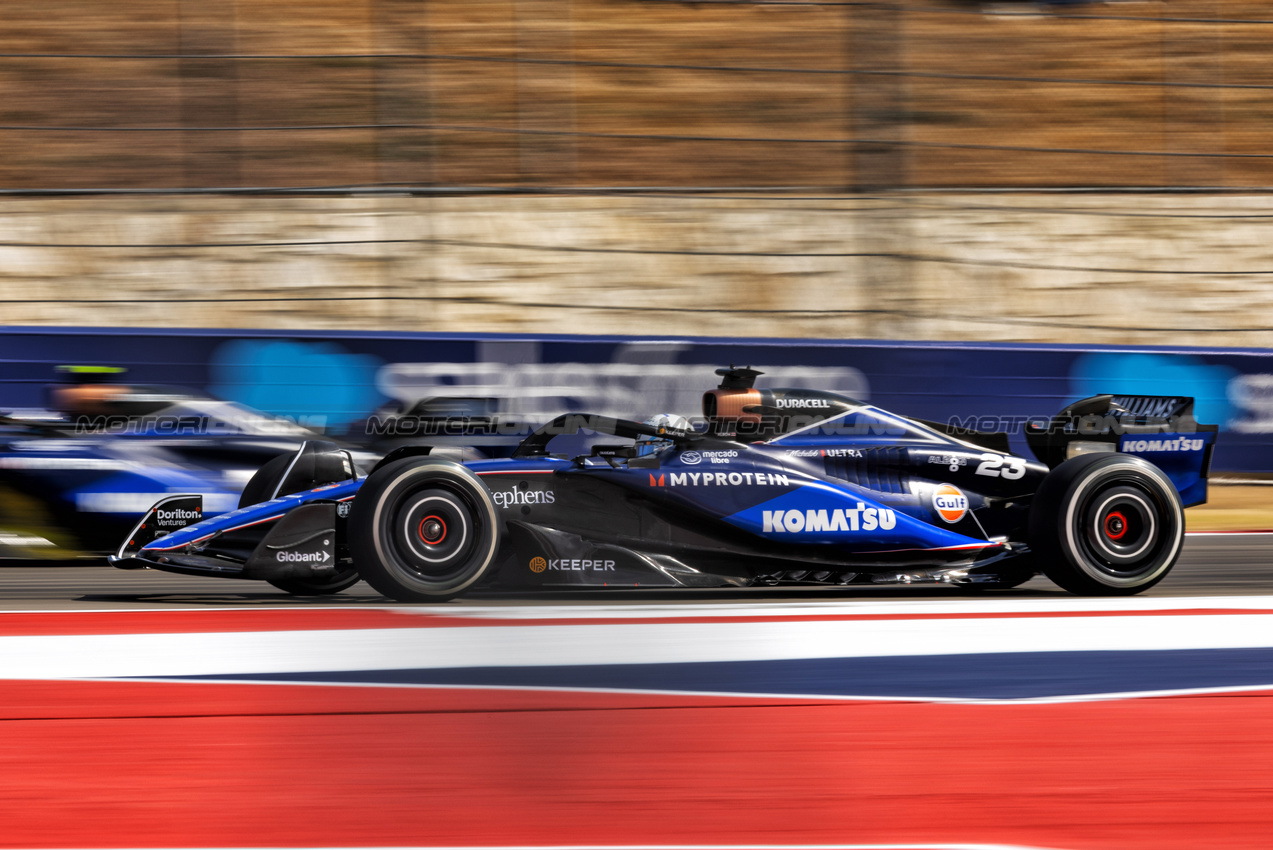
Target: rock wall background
[1069,268]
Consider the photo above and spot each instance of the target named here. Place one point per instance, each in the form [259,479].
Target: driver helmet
[648,445]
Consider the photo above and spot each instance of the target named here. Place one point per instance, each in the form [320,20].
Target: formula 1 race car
[777,486]
[75,474]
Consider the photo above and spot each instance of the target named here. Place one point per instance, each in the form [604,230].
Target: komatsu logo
[860,518]
[1180,444]
[177,516]
[719,479]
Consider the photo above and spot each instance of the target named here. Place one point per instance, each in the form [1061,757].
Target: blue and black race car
[778,486]
[75,474]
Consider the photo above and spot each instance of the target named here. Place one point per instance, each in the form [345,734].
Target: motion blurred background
[262,200]
[928,169]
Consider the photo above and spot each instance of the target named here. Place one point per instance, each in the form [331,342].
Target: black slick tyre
[1106,525]
[317,587]
[423,530]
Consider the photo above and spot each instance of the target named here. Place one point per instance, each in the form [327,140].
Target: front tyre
[317,587]
[1107,525]
[423,530]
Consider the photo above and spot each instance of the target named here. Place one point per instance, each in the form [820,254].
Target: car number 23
[999,466]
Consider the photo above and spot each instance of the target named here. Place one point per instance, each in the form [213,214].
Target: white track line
[610,644]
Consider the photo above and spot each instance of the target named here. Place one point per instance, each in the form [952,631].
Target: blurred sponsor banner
[340,378]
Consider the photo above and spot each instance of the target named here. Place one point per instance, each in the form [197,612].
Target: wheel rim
[1121,532]
[432,530]
[434,533]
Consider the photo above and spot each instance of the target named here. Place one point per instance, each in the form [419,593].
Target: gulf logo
[950,503]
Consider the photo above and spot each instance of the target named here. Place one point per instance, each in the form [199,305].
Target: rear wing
[1161,429]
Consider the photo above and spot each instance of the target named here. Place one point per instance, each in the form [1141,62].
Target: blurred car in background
[75,474]
[475,427]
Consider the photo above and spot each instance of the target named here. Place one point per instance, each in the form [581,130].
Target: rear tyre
[1107,525]
[423,530]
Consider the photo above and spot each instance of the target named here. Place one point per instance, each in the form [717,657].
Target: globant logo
[860,518]
[303,557]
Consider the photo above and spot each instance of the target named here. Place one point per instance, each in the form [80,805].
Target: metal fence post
[209,94]
[878,102]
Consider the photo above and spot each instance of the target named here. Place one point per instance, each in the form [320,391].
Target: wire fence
[631,94]
[881,154]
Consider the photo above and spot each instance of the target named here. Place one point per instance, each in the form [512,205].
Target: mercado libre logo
[538,565]
[950,502]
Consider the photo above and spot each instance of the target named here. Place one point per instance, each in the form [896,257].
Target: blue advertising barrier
[335,379]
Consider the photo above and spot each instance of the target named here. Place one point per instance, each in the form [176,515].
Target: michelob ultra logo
[950,503]
[860,518]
